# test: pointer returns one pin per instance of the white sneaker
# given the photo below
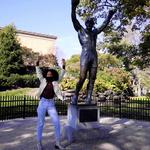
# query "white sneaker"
(39, 146)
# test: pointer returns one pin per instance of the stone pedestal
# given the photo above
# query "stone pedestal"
(81, 117)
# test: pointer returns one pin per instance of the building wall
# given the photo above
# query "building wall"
(43, 45)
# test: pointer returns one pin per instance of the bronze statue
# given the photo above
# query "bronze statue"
(88, 59)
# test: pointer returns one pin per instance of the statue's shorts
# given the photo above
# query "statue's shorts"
(88, 60)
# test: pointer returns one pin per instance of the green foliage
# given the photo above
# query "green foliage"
(127, 10)
(30, 57)
(68, 83)
(107, 61)
(10, 52)
(140, 98)
(143, 50)
(3, 83)
(87, 8)
(16, 92)
(148, 95)
(114, 79)
(144, 77)
(73, 59)
(23, 80)
(15, 81)
(131, 55)
(73, 65)
(104, 61)
(48, 60)
(125, 52)
(109, 75)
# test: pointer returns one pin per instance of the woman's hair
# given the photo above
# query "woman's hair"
(54, 73)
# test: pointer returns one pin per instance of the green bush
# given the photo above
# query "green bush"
(15, 81)
(3, 83)
(68, 83)
(148, 95)
(30, 81)
(10, 52)
(114, 79)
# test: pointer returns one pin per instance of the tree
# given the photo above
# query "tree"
(114, 45)
(136, 11)
(108, 61)
(110, 76)
(73, 65)
(128, 12)
(104, 61)
(141, 80)
(10, 52)
(29, 56)
(143, 49)
(125, 52)
(49, 60)
(136, 54)
(134, 57)
(114, 79)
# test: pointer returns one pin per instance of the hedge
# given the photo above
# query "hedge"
(15, 81)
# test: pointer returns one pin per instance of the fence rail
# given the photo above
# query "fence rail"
(128, 108)
(12, 107)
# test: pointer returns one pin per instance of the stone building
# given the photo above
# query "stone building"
(41, 43)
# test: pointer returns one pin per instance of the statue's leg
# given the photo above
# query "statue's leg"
(83, 74)
(90, 86)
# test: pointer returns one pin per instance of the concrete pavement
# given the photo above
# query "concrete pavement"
(113, 134)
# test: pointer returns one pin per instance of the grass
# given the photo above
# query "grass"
(147, 98)
(16, 92)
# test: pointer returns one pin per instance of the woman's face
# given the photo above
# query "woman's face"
(49, 74)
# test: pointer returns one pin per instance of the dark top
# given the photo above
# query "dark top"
(48, 92)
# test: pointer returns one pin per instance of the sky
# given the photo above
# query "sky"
(51, 17)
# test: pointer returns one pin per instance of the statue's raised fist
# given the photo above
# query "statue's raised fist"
(75, 2)
(113, 11)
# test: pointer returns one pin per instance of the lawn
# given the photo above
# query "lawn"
(17, 92)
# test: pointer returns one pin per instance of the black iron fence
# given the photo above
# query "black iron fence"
(132, 108)
(25, 106)
(12, 107)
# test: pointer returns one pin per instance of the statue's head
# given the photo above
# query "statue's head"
(89, 22)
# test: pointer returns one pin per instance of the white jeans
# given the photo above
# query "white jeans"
(49, 106)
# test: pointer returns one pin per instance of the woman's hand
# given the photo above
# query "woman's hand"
(63, 64)
(38, 61)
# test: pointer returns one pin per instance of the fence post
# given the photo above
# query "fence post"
(24, 105)
(0, 110)
(120, 99)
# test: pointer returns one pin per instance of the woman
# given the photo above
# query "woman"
(47, 90)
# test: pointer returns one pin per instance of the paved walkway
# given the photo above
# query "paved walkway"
(113, 134)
